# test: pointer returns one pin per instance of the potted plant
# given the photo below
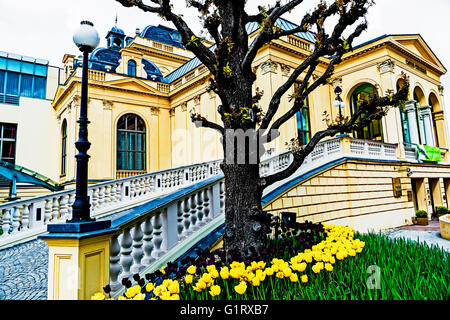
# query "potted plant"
(440, 211)
(422, 217)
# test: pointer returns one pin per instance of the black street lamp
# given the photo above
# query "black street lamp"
(86, 38)
(338, 102)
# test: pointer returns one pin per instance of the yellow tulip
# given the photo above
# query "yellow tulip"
(269, 271)
(280, 275)
(241, 287)
(188, 279)
(293, 277)
(328, 267)
(149, 287)
(224, 273)
(214, 274)
(174, 287)
(255, 282)
(214, 291)
(174, 297)
(287, 272)
(139, 296)
(211, 268)
(132, 291)
(192, 269)
(163, 270)
(98, 296)
(304, 278)
(123, 298)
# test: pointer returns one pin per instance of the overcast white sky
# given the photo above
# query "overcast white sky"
(44, 28)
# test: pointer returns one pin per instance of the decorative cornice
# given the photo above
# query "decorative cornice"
(336, 82)
(154, 111)
(107, 104)
(269, 66)
(76, 100)
(183, 106)
(197, 99)
(172, 112)
(386, 66)
(285, 69)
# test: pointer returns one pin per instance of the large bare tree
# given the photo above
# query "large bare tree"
(230, 64)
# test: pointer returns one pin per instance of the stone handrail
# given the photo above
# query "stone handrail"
(149, 236)
(24, 219)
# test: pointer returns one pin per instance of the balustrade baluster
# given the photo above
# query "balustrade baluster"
(147, 185)
(64, 207)
(119, 192)
(113, 194)
(132, 189)
(206, 204)
(114, 263)
(26, 217)
(157, 232)
(194, 218)
(70, 203)
(142, 186)
(107, 196)
(94, 199)
(186, 217)
(55, 209)
(222, 197)
(101, 197)
(6, 223)
(15, 213)
(147, 244)
(125, 253)
(137, 253)
(180, 226)
(200, 208)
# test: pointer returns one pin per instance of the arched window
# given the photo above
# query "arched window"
(303, 121)
(132, 68)
(64, 147)
(374, 131)
(131, 143)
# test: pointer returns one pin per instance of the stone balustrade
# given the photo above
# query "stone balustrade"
(25, 219)
(151, 236)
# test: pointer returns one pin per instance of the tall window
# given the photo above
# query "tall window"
(132, 68)
(63, 147)
(8, 132)
(131, 143)
(21, 79)
(303, 122)
(374, 131)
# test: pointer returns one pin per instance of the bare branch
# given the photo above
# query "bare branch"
(190, 40)
(367, 112)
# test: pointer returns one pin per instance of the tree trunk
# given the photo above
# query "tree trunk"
(244, 221)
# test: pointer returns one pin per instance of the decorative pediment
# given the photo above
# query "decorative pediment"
(132, 84)
(417, 45)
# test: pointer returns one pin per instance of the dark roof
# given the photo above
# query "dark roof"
(103, 59)
(163, 34)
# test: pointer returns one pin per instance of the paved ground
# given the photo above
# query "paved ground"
(23, 271)
(430, 234)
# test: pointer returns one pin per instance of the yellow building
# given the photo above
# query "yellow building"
(142, 89)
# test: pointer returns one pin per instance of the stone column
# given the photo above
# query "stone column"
(410, 108)
(427, 122)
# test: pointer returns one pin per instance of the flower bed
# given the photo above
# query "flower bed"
(280, 266)
(333, 263)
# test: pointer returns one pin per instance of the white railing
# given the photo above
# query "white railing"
(25, 219)
(164, 233)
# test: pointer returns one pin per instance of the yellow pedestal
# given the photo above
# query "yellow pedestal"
(444, 223)
(77, 268)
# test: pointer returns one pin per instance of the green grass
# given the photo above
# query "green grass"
(407, 271)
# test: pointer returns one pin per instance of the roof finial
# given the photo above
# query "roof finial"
(116, 19)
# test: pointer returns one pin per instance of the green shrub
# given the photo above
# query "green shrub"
(442, 210)
(421, 214)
